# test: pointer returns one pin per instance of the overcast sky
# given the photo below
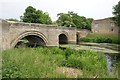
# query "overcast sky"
(96, 9)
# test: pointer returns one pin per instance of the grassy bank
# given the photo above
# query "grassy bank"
(101, 38)
(43, 62)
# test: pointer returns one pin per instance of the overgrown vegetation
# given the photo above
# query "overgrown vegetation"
(42, 63)
(116, 12)
(72, 19)
(31, 15)
(101, 38)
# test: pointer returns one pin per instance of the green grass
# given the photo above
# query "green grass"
(101, 38)
(42, 63)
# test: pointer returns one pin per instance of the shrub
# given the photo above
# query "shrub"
(86, 60)
(93, 62)
(101, 38)
(107, 40)
(85, 39)
(72, 61)
(56, 50)
(68, 52)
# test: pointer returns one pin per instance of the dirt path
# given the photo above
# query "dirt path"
(69, 72)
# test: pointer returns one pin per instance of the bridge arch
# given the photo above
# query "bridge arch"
(38, 37)
(63, 37)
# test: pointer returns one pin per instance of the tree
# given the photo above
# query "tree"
(43, 17)
(79, 21)
(116, 12)
(64, 20)
(32, 15)
(89, 23)
(74, 20)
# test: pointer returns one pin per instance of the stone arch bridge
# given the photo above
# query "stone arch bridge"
(49, 35)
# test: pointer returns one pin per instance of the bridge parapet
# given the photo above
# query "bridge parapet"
(38, 25)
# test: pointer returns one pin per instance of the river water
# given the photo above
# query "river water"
(111, 59)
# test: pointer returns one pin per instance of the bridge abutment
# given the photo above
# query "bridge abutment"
(0, 35)
(5, 37)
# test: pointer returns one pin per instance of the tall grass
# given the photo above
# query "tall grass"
(29, 63)
(101, 38)
(42, 62)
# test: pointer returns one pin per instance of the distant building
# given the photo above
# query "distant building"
(105, 25)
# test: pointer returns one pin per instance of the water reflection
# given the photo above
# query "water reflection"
(111, 60)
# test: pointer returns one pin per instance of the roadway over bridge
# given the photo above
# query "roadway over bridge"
(48, 35)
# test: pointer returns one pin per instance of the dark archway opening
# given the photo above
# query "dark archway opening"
(30, 41)
(63, 39)
(77, 38)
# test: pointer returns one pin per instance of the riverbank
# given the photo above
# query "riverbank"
(104, 45)
(101, 38)
(90, 46)
(54, 63)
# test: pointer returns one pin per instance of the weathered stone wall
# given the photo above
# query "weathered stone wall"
(0, 49)
(5, 35)
(106, 25)
(19, 31)
(0, 35)
(82, 33)
(69, 32)
(13, 32)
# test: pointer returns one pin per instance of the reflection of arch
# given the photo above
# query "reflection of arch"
(63, 38)
(29, 33)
